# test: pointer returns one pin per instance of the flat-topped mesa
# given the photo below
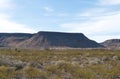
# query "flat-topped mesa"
(60, 35)
(60, 39)
(44, 39)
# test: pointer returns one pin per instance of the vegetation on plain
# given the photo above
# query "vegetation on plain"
(59, 64)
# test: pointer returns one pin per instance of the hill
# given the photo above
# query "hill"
(112, 43)
(47, 39)
(12, 39)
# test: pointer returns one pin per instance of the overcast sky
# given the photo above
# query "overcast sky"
(97, 19)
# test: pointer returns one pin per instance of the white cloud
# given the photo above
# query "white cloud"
(91, 12)
(48, 9)
(63, 14)
(9, 26)
(6, 4)
(109, 2)
(87, 14)
(97, 26)
(6, 25)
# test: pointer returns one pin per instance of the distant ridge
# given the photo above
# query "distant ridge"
(112, 43)
(45, 39)
(12, 39)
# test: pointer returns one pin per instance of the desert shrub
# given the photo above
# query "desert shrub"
(53, 69)
(60, 64)
(5, 73)
(34, 73)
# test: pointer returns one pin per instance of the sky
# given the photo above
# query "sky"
(99, 20)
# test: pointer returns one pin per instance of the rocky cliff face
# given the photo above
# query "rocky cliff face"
(47, 39)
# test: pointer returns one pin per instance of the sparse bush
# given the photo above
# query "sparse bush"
(59, 64)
